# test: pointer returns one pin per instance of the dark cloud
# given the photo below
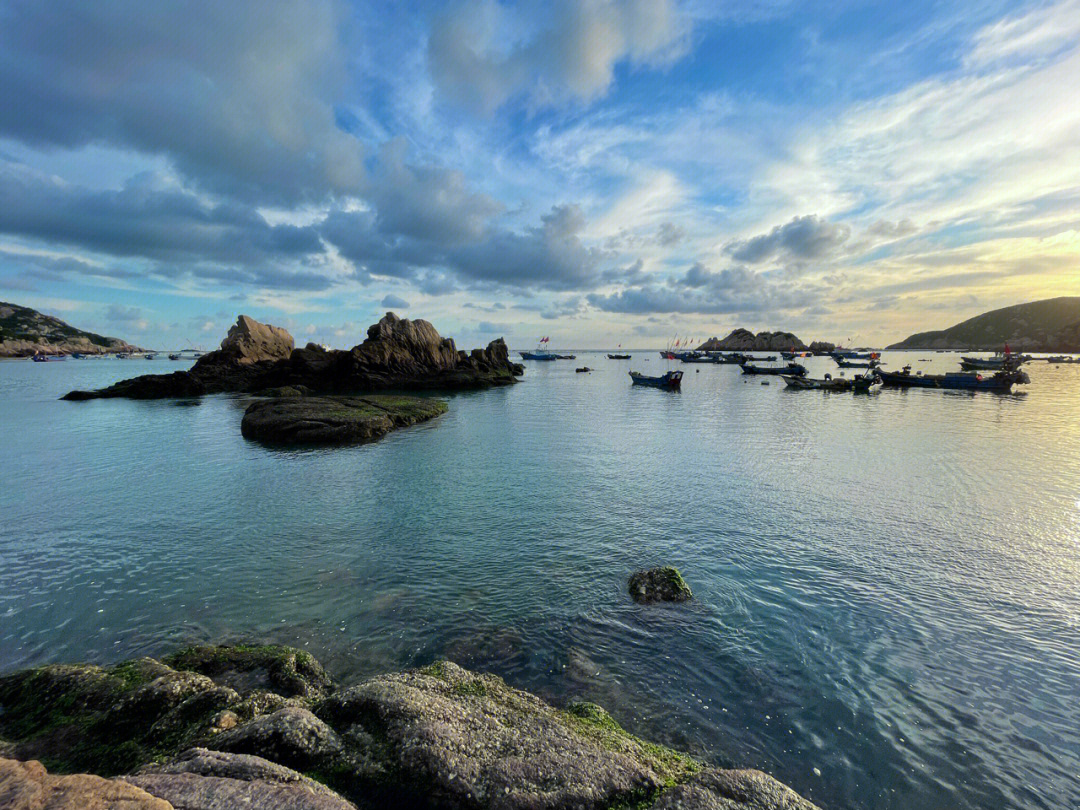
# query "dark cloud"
(238, 96)
(393, 302)
(670, 234)
(550, 256)
(166, 225)
(805, 238)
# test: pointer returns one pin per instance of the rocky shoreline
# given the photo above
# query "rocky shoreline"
(397, 354)
(265, 727)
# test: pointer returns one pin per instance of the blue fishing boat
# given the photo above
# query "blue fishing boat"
(1003, 381)
(671, 380)
(845, 363)
(538, 355)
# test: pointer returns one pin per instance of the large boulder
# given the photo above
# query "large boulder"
(292, 736)
(460, 740)
(264, 668)
(334, 420)
(178, 385)
(249, 341)
(28, 786)
(663, 584)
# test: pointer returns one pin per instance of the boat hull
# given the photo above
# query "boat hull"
(1002, 382)
(790, 370)
(671, 381)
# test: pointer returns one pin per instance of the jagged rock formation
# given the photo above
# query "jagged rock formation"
(397, 353)
(334, 420)
(25, 332)
(743, 340)
(1052, 325)
(659, 585)
(203, 729)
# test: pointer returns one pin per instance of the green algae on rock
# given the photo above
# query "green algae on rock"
(334, 420)
(440, 736)
(659, 585)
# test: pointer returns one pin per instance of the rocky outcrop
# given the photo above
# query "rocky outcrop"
(659, 585)
(1052, 325)
(334, 420)
(25, 332)
(249, 341)
(441, 736)
(397, 354)
(821, 347)
(28, 786)
(743, 340)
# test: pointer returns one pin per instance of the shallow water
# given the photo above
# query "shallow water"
(887, 587)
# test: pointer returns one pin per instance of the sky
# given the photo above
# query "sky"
(602, 172)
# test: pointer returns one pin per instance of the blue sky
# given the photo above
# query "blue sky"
(602, 172)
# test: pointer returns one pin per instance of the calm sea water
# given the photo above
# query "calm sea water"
(887, 587)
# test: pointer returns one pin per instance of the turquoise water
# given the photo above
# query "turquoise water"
(887, 587)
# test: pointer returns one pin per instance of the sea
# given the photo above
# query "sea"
(886, 586)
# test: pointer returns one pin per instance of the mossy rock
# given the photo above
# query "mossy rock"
(334, 420)
(663, 584)
(286, 671)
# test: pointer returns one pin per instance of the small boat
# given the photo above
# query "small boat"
(826, 384)
(566, 357)
(78, 356)
(1002, 381)
(791, 369)
(995, 363)
(864, 383)
(582, 370)
(845, 363)
(47, 358)
(174, 357)
(671, 380)
(733, 359)
(619, 356)
(149, 356)
(699, 358)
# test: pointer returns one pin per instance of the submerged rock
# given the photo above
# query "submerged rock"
(440, 737)
(334, 420)
(659, 585)
(397, 354)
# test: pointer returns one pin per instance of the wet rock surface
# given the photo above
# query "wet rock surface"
(202, 729)
(663, 584)
(28, 786)
(397, 354)
(334, 420)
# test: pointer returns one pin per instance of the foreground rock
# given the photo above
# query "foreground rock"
(27, 786)
(397, 354)
(201, 729)
(659, 585)
(292, 419)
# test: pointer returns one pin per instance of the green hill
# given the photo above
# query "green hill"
(1052, 325)
(25, 331)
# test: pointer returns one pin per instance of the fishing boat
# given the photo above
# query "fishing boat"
(1002, 381)
(538, 355)
(864, 383)
(566, 357)
(995, 363)
(845, 363)
(671, 380)
(790, 369)
(618, 357)
(47, 358)
(694, 357)
(809, 384)
(174, 357)
(733, 359)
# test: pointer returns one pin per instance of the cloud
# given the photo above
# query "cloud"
(239, 96)
(393, 302)
(731, 290)
(670, 234)
(482, 54)
(806, 238)
(141, 221)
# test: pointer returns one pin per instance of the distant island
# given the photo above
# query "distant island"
(25, 332)
(1052, 325)
(742, 340)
